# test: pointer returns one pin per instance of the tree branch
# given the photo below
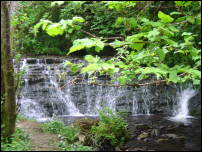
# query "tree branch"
(73, 82)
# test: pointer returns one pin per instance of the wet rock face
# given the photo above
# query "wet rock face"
(43, 84)
(195, 104)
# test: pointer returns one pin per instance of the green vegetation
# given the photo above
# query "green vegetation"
(87, 133)
(110, 129)
(68, 136)
(19, 141)
(58, 127)
(160, 46)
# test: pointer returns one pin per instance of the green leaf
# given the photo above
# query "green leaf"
(173, 76)
(91, 59)
(175, 13)
(75, 48)
(119, 20)
(86, 43)
(91, 68)
(164, 17)
(183, 3)
(78, 19)
(138, 46)
(70, 30)
(67, 63)
(161, 54)
(153, 34)
(54, 29)
(132, 22)
(117, 43)
(196, 82)
(195, 73)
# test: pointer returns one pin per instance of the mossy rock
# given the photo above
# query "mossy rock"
(85, 125)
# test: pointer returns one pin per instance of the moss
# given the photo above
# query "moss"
(85, 125)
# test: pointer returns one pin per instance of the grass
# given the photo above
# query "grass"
(19, 142)
(69, 140)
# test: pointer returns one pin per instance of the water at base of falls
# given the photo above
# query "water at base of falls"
(43, 94)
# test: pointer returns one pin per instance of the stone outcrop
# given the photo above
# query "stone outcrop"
(43, 84)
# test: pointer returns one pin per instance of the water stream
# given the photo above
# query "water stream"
(181, 113)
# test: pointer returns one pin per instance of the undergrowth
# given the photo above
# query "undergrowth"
(18, 142)
(68, 135)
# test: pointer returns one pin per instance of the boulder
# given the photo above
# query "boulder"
(141, 126)
(142, 136)
(162, 140)
(170, 135)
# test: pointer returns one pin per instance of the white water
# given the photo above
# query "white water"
(182, 111)
(88, 99)
(62, 95)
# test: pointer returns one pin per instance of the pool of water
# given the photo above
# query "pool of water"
(188, 131)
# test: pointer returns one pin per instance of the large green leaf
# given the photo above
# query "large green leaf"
(54, 29)
(78, 19)
(91, 59)
(135, 43)
(91, 68)
(173, 76)
(87, 43)
(164, 17)
(161, 54)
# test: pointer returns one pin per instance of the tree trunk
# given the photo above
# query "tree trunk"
(8, 107)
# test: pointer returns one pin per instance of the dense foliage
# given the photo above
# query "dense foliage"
(68, 136)
(158, 40)
(87, 133)
(110, 129)
(19, 142)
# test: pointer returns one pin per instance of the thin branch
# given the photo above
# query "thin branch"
(88, 33)
(109, 38)
(73, 82)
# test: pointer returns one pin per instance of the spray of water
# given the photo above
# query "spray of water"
(182, 111)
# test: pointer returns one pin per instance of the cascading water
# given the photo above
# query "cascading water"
(45, 92)
(181, 113)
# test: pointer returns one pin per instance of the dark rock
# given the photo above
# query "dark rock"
(171, 129)
(31, 61)
(142, 126)
(139, 149)
(170, 136)
(53, 61)
(142, 136)
(181, 138)
(162, 140)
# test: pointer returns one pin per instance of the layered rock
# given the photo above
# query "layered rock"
(43, 85)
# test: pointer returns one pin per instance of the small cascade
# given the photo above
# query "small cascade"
(63, 96)
(28, 107)
(46, 91)
(181, 106)
(181, 113)
(141, 101)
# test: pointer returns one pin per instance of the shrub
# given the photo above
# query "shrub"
(73, 147)
(69, 140)
(58, 127)
(111, 128)
(85, 125)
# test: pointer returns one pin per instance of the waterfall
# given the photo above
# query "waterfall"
(46, 92)
(181, 113)
(62, 95)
